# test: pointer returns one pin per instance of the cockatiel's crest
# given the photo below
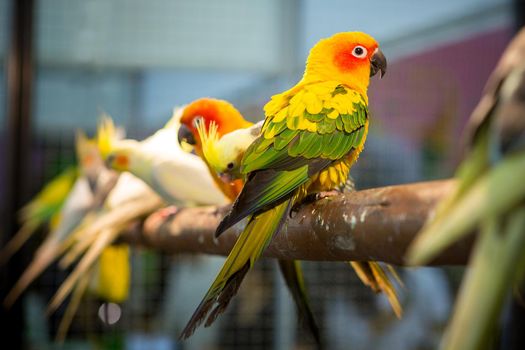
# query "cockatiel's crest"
(107, 134)
(224, 153)
(209, 138)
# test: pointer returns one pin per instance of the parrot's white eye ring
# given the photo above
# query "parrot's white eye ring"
(197, 120)
(359, 51)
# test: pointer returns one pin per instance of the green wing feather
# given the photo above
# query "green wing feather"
(292, 147)
(275, 167)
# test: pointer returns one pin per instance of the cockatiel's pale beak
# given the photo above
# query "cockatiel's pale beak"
(378, 63)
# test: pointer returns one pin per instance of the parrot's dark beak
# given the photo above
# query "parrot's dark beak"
(92, 182)
(226, 178)
(378, 63)
(109, 160)
(185, 135)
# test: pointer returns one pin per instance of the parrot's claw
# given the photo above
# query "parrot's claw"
(327, 194)
(314, 197)
(165, 213)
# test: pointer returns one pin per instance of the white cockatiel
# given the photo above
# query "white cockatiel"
(179, 177)
(155, 171)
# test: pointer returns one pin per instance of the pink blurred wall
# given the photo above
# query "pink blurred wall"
(427, 98)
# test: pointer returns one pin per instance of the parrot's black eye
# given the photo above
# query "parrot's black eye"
(185, 135)
(359, 51)
(230, 166)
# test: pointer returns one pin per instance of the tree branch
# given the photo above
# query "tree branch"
(375, 224)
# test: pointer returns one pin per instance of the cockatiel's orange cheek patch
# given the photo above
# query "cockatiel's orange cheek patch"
(88, 160)
(122, 161)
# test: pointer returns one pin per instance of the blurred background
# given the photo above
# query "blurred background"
(65, 62)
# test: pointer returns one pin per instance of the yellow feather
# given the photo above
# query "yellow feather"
(314, 105)
(106, 135)
(323, 89)
(305, 124)
(297, 98)
(323, 176)
(209, 139)
(279, 116)
(333, 114)
(296, 109)
(334, 175)
(293, 122)
(276, 103)
(112, 278)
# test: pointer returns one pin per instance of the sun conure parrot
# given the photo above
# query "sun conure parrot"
(227, 118)
(489, 197)
(221, 140)
(311, 136)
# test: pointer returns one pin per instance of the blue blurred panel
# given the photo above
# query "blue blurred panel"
(162, 90)
(232, 34)
(72, 98)
(391, 20)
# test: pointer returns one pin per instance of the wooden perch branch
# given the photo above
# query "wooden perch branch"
(376, 224)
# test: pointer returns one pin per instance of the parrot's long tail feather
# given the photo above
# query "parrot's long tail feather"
(72, 307)
(44, 256)
(18, 240)
(103, 240)
(248, 248)
(372, 274)
(76, 249)
(230, 290)
(293, 276)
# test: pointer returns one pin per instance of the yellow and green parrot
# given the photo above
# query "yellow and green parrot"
(490, 198)
(311, 136)
(44, 208)
(221, 135)
(78, 199)
(91, 185)
(227, 119)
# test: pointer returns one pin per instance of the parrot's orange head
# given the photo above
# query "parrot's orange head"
(225, 116)
(349, 57)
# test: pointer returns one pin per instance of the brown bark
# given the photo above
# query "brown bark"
(375, 224)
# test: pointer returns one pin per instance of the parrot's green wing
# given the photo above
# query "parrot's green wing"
(287, 154)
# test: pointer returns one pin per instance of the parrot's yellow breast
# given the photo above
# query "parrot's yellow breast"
(335, 175)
